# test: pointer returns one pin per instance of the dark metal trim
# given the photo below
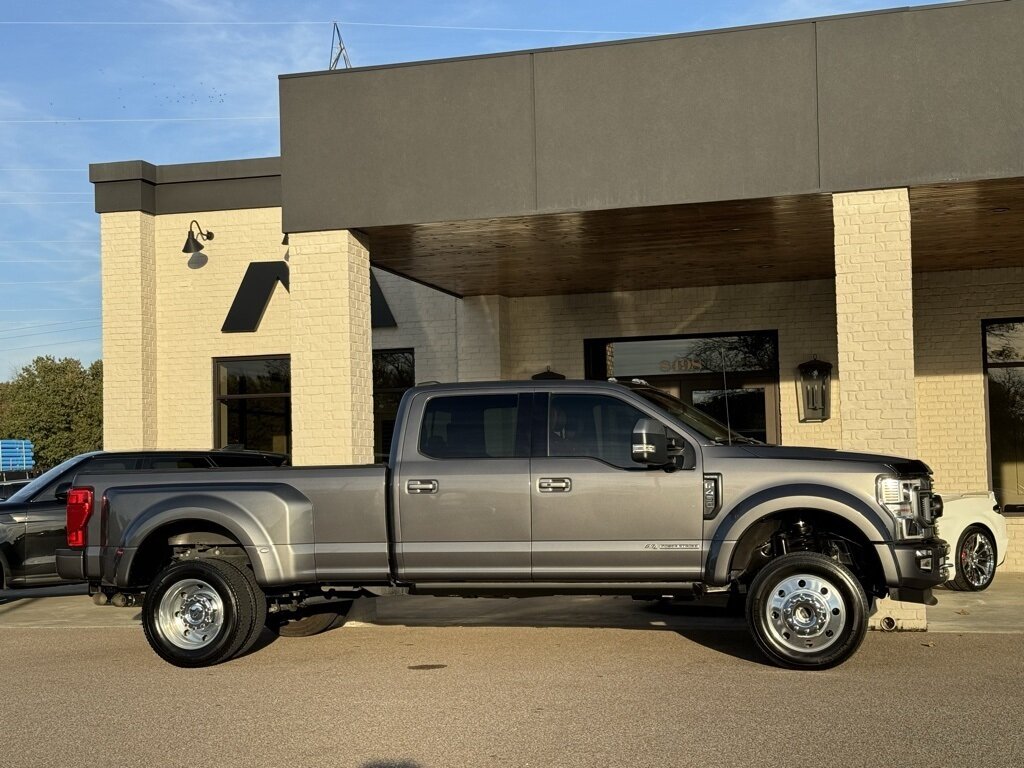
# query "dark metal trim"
(136, 185)
(640, 39)
(254, 294)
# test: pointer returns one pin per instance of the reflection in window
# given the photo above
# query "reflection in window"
(253, 403)
(1004, 363)
(393, 374)
(596, 426)
(470, 427)
(742, 352)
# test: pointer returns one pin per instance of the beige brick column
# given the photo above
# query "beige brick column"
(128, 269)
(874, 321)
(331, 358)
(483, 338)
(875, 333)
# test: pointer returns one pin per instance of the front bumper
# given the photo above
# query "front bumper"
(921, 566)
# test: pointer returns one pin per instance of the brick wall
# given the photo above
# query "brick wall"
(129, 262)
(874, 321)
(951, 388)
(426, 323)
(193, 295)
(1014, 562)
(332, 380)
(549, 331)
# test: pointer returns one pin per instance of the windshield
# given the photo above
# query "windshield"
(26, 493)
(692, 417)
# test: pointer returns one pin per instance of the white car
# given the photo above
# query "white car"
(975, 529)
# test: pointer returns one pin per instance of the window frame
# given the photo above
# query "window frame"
(521, 439)
(217, 397)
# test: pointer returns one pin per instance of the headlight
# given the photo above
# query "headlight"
(897, 496)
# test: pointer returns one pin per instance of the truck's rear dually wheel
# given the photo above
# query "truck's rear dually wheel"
(201, 612)
(806, 611)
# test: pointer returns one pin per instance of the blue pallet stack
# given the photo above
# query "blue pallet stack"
(16, 456)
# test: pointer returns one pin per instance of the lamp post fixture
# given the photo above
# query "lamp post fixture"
(815, 390)
(192, 245)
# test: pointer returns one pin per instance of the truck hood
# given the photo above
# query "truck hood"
(900, 464)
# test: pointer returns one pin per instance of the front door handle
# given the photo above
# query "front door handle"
(421, 486)
(554, 485)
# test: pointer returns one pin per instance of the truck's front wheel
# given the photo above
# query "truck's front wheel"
(806, 611)
(199, 612)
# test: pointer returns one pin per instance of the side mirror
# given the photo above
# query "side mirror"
(61, 493)
(650, 443)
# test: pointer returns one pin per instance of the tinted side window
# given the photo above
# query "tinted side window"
(185, 462)
(256, 460)
(596, 426)
(97, 464)
(470, 427)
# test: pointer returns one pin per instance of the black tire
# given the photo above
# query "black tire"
(975, 555)
(259, 607)
(313, 623)
(806, 611)
(220, 593)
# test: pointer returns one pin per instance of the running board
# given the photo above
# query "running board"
(543, 589)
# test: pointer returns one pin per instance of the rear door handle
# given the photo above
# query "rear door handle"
(554, 485)
(421, 486)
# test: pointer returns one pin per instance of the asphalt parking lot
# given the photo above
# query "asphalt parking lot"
(418, 682)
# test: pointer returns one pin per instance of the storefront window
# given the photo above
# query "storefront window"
(394, 371)
(732, 377)
(253, 407)
(1004, 366)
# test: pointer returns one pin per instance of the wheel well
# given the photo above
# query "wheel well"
(808, 530)
(157, 550)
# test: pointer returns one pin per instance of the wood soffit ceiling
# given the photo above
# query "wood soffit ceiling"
(955, 226)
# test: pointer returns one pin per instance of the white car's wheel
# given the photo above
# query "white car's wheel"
(975, 560)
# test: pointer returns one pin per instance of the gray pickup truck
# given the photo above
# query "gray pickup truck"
(517, 489)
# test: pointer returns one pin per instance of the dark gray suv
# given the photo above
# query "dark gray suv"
(33, 523)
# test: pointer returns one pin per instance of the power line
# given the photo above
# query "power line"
(55, 120)
(26, 326)
(40, 261)
(51, 344)
(307, 23)
(29, 310)
(79, 281)
(49, 333)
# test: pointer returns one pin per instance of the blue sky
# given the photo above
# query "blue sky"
(177, 81)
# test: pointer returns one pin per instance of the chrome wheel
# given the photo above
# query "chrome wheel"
(805, 613)
(191, 614)
(977, 559)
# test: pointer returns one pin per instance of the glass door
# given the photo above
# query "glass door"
(732, 377)
(1004, 367)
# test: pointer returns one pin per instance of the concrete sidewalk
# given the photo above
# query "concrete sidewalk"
(999, 609)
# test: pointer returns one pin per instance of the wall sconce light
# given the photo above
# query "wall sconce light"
(815, 390)
(191, 244)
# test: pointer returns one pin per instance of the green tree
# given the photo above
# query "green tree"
(58, 405)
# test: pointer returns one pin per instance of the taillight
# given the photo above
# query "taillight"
(79, 512)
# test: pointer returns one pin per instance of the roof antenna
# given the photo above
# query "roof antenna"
(725, 391)
(338, 50)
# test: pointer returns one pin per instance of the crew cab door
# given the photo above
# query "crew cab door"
(598, 515)
(461, 490)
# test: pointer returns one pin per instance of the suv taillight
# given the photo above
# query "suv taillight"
(79, 512)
